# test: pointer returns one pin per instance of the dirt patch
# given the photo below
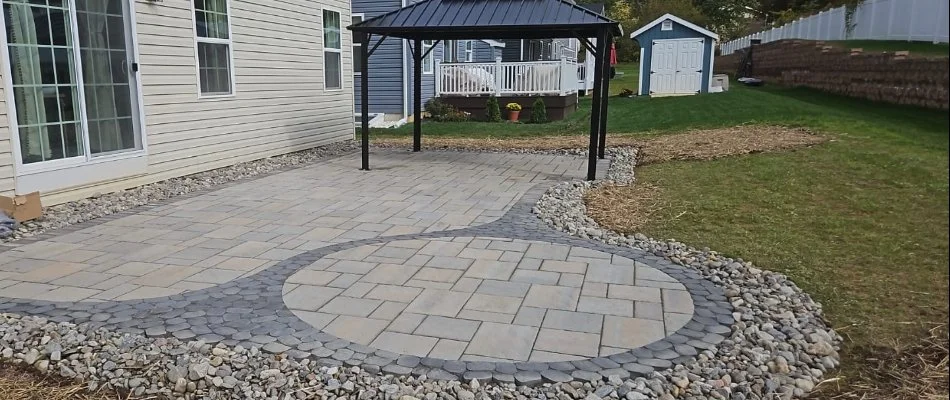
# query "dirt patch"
(17, 382)
(623, 209)
(717, 143)
(690, 145)
(917, 372)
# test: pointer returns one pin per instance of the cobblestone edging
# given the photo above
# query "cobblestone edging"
(780, 344)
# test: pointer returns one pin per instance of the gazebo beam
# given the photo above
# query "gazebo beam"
(417, 57)
(595, 110)
(364, 101)
(605, 99)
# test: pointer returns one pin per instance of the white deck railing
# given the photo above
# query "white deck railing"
(510, 78)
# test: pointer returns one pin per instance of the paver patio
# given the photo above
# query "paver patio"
(431, 260)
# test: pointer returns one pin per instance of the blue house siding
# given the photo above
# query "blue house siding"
(484, 52)
(678, 32)
(428, 80)
(385, 65)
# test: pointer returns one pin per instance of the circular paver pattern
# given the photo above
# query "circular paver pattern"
(488, 299)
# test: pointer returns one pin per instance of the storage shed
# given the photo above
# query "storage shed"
(676, 57)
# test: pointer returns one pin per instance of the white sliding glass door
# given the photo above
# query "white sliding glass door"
(73, 81)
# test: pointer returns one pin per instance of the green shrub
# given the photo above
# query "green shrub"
(492, 110)
(539, 114)
(443, 112)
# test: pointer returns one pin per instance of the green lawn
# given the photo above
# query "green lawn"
(860, 222)
(915, 48)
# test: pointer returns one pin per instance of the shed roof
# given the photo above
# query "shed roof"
(671, 17)
(494, 19)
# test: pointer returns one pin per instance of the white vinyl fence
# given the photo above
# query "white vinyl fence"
(911, 20)
(509, 78)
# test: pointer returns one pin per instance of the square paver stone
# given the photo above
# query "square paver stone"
(309, 298)
(439, 302)
(311, 277)
(403, 294)
(573, 321)
(350, 306)
(571, 267)
(401, 343)
(438, 274)
(390, 274)
(677, 301)
(565, 342)
(356, 329)
(607, 273)
(553, 297)
(493, 304)
(598, 305)
(489, 269)
(509, 342)
(447, 328)
(448, 349)
(630, 333)
(636, 293)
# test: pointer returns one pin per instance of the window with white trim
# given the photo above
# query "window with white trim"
(428, 62)
(213, 42)
(332, 51)
(666, 25)
(357, 46)
(469, 50)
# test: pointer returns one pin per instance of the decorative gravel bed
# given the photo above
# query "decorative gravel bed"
(780, 346)
(74, 212)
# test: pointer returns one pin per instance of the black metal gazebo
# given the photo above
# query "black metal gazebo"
(438, 20)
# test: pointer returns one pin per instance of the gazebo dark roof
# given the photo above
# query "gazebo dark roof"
(439, 20)
(489, 19)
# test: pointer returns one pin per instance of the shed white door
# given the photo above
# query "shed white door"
(676, 66)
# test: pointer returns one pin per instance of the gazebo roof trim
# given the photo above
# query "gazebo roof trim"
(488, 19)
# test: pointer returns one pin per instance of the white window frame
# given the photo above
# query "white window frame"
(85, 168)
(326, 50)
(666, 25)
(469, 50)
(356, 44)
(228, 41)
(428, 62)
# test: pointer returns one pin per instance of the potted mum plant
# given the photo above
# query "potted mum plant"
(514, 109)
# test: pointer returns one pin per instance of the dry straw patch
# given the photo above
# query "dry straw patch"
(19, 383)
(918, 372)
(703, 144)
(623, 209)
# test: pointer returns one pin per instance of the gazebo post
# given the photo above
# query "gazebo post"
(417, 95)
(599, 55)
(364, 102)
(605, 96)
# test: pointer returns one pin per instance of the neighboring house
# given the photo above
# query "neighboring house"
(390, 88)
(676, 57)
(141, 91)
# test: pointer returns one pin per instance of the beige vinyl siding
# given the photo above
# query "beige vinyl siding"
(6, 148)
(279, 103)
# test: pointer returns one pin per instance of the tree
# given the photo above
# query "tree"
(653, 9)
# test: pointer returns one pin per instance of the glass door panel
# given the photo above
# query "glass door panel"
(45, 85)
(107, 76)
